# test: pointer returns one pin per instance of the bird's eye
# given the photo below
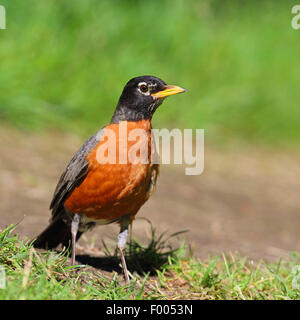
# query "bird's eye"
(143, 87)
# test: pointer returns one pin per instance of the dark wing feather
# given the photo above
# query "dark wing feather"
(74, 174)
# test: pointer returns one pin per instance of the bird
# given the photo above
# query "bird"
(94, 191)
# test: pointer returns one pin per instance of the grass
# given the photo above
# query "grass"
(64, 64)
(32, 274)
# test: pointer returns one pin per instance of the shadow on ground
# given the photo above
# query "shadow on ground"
(139, 258)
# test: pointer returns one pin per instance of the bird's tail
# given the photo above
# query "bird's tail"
(58, 232)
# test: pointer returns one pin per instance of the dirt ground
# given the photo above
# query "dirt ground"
(246, 200)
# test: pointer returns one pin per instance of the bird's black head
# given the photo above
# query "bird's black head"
(140, 98)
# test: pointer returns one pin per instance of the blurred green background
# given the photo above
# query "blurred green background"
(64, 64)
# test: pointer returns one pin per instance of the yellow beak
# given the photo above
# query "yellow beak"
(168, 91)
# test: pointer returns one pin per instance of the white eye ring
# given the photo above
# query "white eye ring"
(144, 88)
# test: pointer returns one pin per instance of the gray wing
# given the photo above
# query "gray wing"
(74, 174)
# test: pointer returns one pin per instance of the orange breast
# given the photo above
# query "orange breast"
(111, 190)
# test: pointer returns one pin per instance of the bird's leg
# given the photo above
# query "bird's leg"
(130, 236)
(122, 239)
(74, 229)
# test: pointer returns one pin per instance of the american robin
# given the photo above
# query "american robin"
(92, 191)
